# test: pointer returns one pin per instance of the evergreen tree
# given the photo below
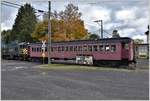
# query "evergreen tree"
(6, 36)
(24, 24)
(94, 37)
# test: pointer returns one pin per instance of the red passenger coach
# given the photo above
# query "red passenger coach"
(113, 51)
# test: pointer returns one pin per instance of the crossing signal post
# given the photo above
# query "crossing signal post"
(43, 50)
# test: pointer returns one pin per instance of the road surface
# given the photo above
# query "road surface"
(24, 81)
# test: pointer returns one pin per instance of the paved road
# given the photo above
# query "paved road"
(22, 80)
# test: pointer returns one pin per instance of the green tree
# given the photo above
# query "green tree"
(138, 41)
(24, 24)
(94, 37)
(115, 34)
(6, 36)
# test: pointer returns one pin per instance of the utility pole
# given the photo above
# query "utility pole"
(97, 21)
(49, 33)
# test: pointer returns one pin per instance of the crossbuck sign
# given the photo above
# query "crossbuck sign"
(43, 45)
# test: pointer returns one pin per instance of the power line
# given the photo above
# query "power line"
(9, 5)
(12, 5)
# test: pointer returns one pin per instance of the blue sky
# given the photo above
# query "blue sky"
(129, 17)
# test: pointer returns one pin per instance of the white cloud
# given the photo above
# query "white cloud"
(130, 20)
(4, 27)
(91, 13)
(143, 37)
(128, 32)
(126, 14)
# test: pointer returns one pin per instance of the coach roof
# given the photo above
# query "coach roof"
(104, 40)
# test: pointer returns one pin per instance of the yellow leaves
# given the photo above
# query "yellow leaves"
(60, 30)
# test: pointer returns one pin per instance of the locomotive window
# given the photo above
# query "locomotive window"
(113, 48)
(95, 48)
(16, 48)
(89, 48)
(101, 48)
(107, 48)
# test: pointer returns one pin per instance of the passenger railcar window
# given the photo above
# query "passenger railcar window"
(107, 48)
(32, 49)
(113, 48)
(62, 48)
(89, 48)
(85, 48)
(67, 48)
(45, 49)
(59, 48)
(71, 48)
(126, 46)
(51, 48)
(37, 49)
(101, 48)
(79, 48)
(75, 48)
(95, 48)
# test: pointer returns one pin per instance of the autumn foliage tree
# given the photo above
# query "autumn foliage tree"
(65, 26)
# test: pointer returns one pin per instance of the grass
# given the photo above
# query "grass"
(64, 67)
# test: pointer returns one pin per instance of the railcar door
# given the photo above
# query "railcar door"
(125, 51)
